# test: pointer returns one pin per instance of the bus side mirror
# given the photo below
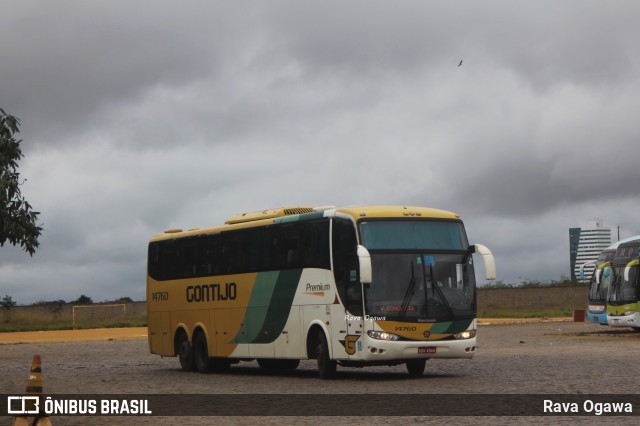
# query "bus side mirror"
(627, 268)
(364, 260)
(489, 261)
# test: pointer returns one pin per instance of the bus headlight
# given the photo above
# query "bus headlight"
(382, 335)
(468, 334)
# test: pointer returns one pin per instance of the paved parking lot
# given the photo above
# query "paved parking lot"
(524, 358)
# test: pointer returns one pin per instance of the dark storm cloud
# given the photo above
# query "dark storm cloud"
(70, 62)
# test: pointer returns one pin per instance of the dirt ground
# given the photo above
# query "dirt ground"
(513, 357)
(62, 336)
(140, 333)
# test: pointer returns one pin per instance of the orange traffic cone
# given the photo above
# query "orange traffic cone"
(34, 389)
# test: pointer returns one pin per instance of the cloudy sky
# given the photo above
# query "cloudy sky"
(147, 115)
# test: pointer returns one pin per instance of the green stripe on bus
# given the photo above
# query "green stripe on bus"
(269, 306)
(280, 305)
(256, 310)
(299, 217)
(451, 327)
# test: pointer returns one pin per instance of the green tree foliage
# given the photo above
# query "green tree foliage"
(7, 303)
(17, 219)
(82, 300)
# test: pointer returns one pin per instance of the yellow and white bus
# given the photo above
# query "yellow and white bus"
(351, 286)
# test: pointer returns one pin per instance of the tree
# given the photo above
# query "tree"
(7, 303)
(82, 300)
(17, 219)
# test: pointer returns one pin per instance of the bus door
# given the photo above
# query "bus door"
(347, 317)
(355, 316)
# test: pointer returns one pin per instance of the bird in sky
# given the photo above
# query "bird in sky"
(460, 64)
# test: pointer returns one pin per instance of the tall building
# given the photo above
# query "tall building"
(574, 240)
(585, 244)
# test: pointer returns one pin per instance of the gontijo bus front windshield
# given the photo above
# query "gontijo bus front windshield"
(422, 270)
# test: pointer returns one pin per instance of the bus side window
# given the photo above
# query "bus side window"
(169, 259)
(154, 262)
(188, 249)
(209, 256)
(345, 265)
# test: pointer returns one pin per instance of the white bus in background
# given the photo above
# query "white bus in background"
(623, 302)
(601, 281)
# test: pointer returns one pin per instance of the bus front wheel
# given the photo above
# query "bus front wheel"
(326, 366)
(415, 367)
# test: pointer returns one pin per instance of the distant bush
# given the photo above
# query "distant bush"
(82, 300)
(121, 300)
(55, 306)
(563, 282)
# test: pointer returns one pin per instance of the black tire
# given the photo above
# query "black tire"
(202, 361)
(201, 358)
(185, 352)
(415, 367)
(326, 366)
(279, 364)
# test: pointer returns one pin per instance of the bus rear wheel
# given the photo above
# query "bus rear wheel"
(202, 361)
(201, 353)
(326, 366)
(185, 352)
(415, 367)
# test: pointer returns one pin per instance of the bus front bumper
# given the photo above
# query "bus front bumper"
(600, 318)
(374, 350)
(632, 320)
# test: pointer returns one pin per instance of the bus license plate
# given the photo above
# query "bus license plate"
(427, 350)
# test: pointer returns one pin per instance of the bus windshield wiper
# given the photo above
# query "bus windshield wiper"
(436, 289)
(408, 294)
(615, 289)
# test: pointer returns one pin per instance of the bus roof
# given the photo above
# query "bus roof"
(626, 240)
(626, 252)
(359, 212)
(268, 214)
(271, 216)
(611, 249)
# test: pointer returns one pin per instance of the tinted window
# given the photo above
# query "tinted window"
(290, 245)
(413, 234)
